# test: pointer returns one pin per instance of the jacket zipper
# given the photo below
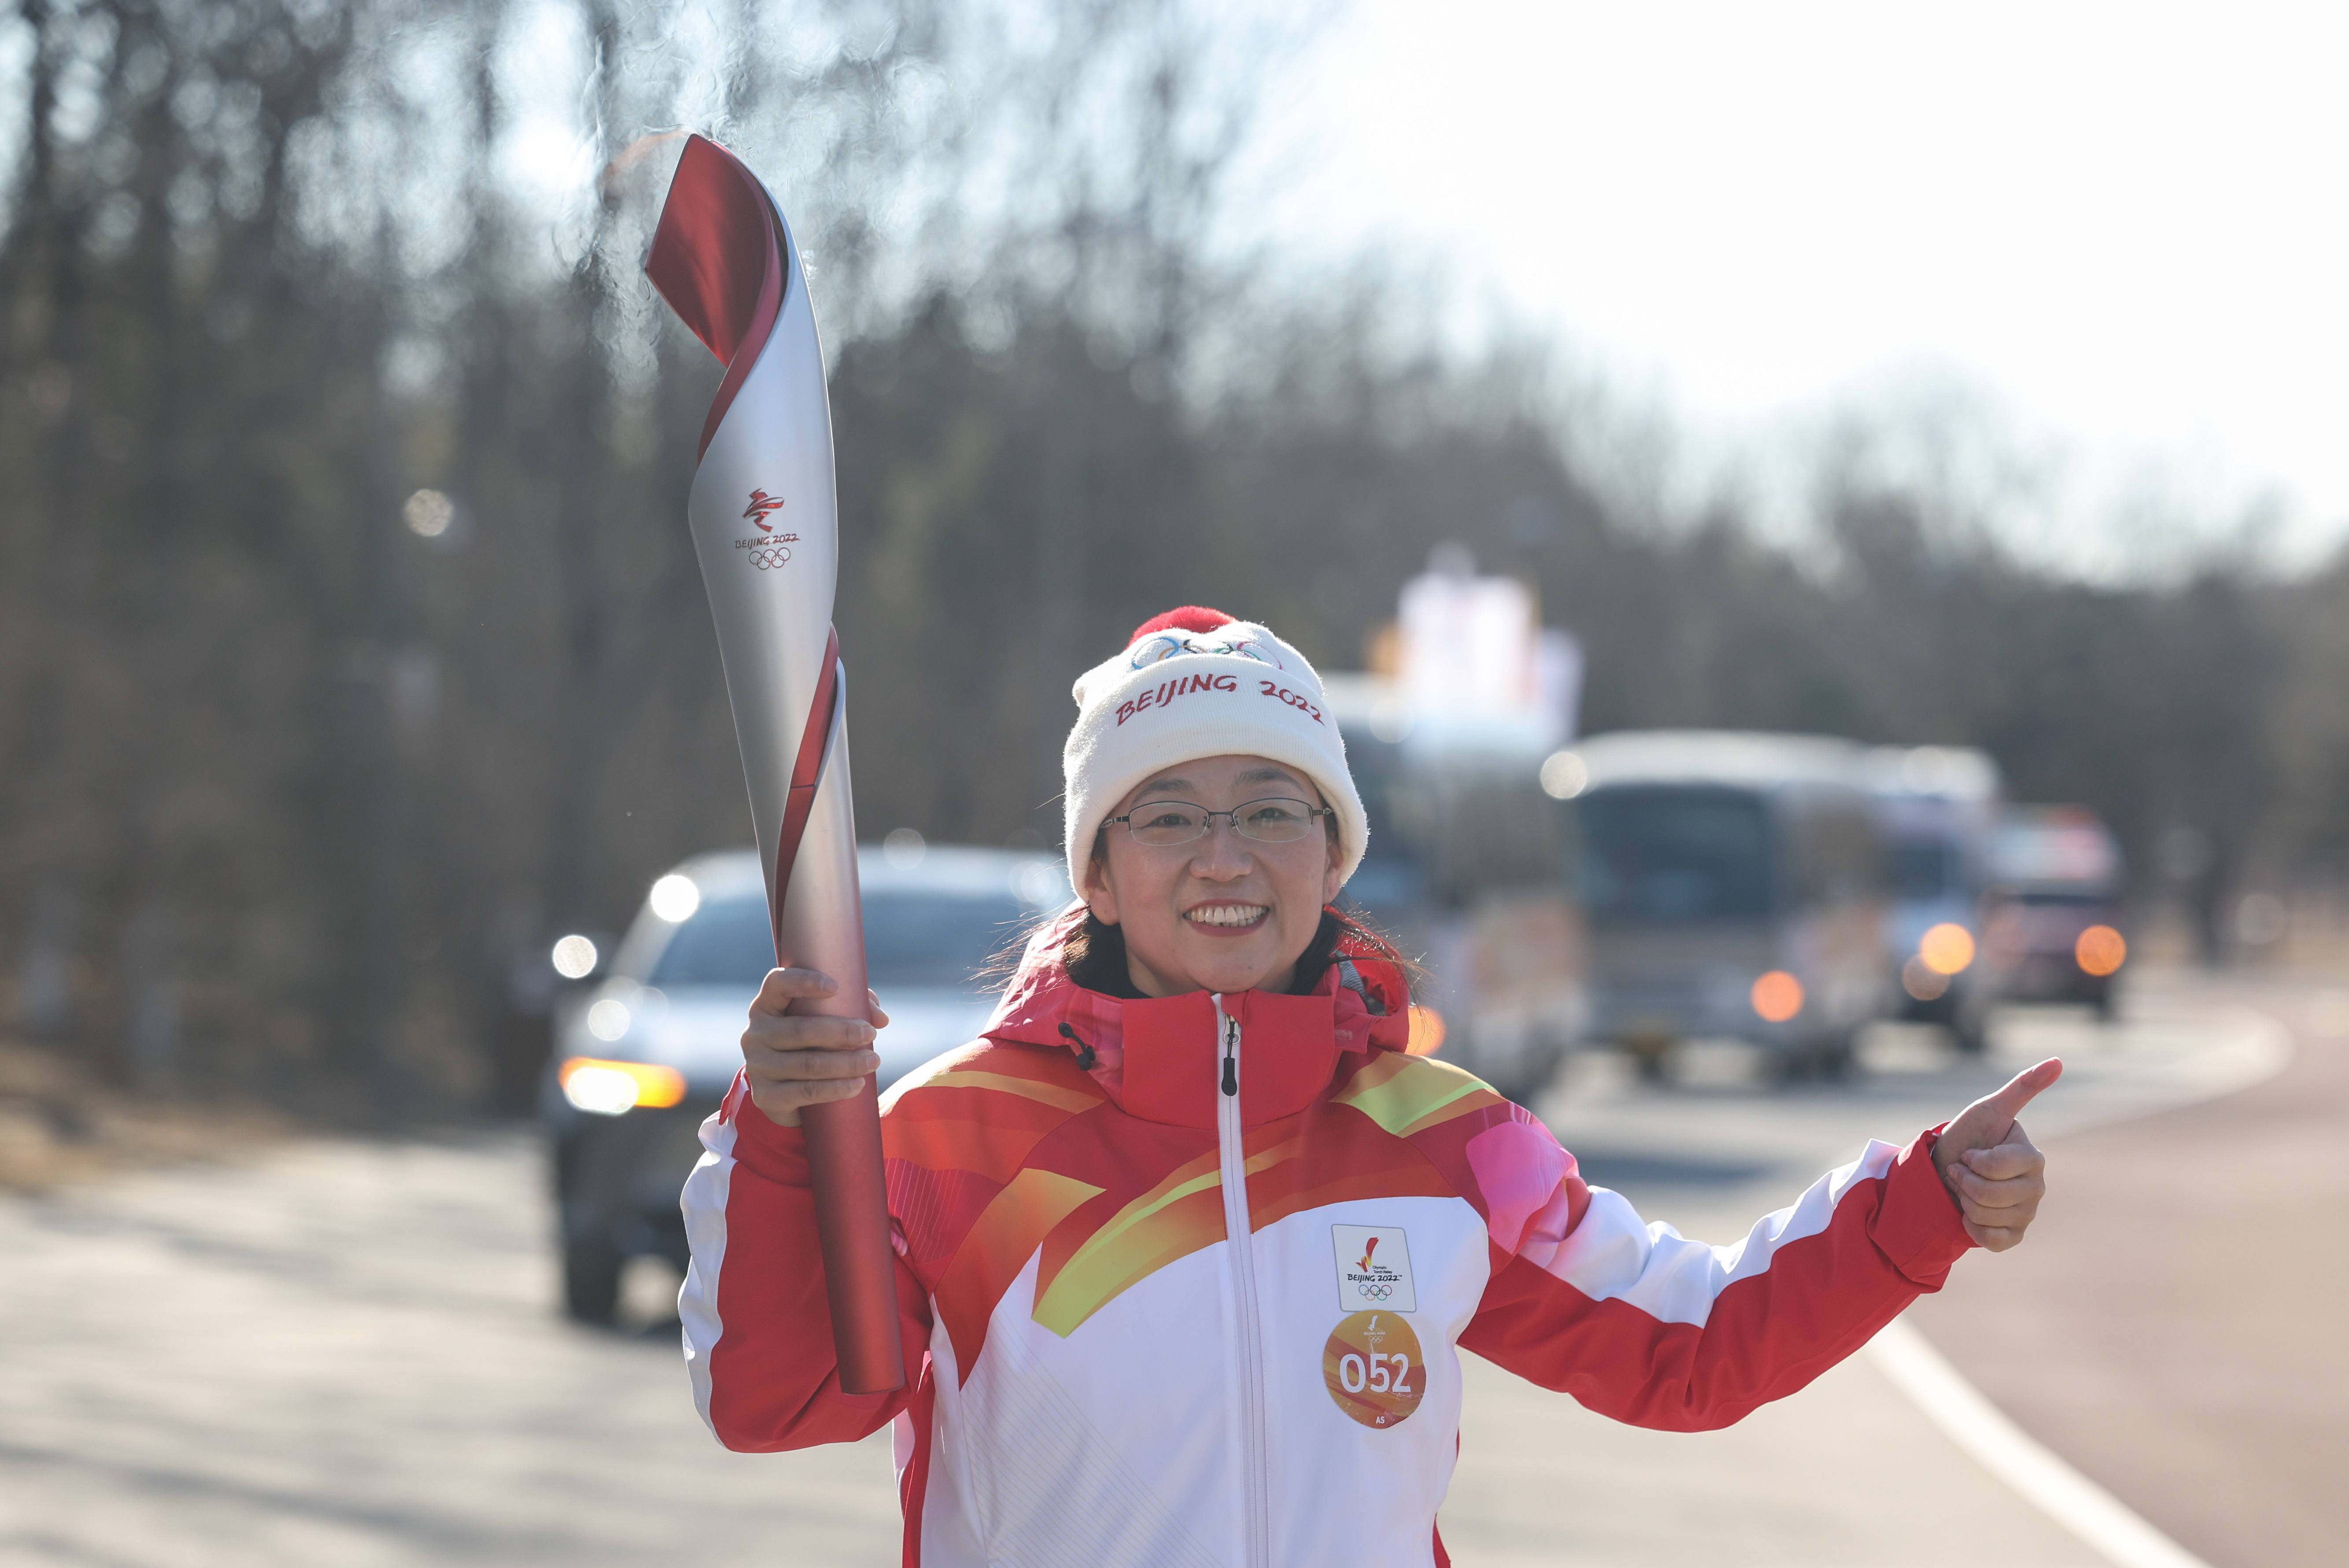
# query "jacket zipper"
(1231, 1146)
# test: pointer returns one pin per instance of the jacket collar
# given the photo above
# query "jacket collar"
(1161, 1059)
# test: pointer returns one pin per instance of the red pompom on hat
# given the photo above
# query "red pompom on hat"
(1183, 618)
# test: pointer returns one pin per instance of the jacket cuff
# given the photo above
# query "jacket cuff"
(779, 1153)
(1919, 1227)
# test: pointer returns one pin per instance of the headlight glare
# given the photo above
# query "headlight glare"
(2100, 950)
(1947, 949)
(1776, 996)
(609, 1089)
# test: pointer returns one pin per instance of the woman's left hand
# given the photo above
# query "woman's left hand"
(1991, 1167)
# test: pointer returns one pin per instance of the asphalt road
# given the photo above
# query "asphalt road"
(2182, 1326)
(344, 1354)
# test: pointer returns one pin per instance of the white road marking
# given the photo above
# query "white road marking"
(2256, 1048)
(2021, 1460)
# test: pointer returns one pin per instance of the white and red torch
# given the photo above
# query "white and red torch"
(764, 519)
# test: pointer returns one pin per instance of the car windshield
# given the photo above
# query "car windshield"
(1922, 868)
(1673, 854)
(910, 939)
(2080, 853)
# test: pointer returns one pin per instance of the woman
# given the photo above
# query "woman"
(1097, 1370)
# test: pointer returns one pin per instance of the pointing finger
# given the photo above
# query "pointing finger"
(809, 1066)
(1992, 1218)
(2018, 1156)
(2022, 1190)
(782, 987)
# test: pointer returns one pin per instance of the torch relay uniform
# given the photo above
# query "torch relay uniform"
(1183, 1280)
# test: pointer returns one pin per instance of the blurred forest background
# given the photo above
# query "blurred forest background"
(352, 646)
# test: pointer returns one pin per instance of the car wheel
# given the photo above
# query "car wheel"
(1531, 1082)
(590, 1280)
(1652, 1057)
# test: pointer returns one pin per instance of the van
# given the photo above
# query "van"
(1732, 886)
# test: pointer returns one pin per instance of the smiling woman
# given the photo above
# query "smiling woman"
(1219, 892)
(1188, 1241)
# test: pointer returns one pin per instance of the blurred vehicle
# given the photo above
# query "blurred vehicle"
(1937, 808)
(2051, 918)
(646, 1051)
(1465, 871)
(1733, 883)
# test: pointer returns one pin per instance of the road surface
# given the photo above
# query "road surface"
(2185, 1317)
(342, 1355)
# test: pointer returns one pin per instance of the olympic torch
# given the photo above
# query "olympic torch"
(763, 516)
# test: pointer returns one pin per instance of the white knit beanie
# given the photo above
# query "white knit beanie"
(1196, 683)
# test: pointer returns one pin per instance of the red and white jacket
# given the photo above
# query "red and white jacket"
(1201, 1300)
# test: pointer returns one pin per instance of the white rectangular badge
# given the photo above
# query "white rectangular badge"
(1373, 1269)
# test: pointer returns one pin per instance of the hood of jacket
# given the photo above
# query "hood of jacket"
(1159, 1058)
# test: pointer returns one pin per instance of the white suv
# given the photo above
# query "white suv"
(646, 1052)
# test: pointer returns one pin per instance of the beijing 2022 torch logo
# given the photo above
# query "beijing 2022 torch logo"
(772, 550)
(1374, 1268)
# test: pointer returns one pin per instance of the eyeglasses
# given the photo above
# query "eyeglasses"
(1162, 824)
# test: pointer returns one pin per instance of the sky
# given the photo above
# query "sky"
(2119, 234)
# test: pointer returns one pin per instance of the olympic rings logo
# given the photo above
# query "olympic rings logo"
(1374, 1292)
(1165, 645)
(767, 558)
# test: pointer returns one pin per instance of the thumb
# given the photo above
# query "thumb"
(2023, 1087)
(1989, 1121)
